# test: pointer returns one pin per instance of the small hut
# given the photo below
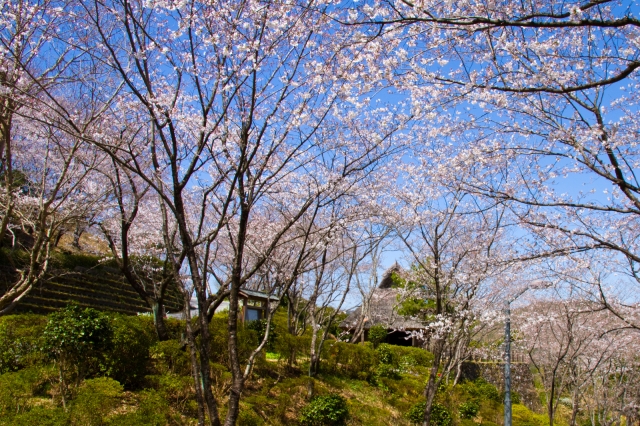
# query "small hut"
(252, 304)
(383, 305)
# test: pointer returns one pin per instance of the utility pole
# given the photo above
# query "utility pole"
(507, 365)
(538, 284)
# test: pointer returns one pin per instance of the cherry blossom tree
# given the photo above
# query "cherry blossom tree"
(458, 248)
(542, 97)
(581, 352)
(133, 226)
(247, 113)
(59, 187)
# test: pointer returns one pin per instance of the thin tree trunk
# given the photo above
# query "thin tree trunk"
(157, 308)
(550, 410)
(195, 370)
(313, 356)
(430, 389)
(238, 380)
(7, 169)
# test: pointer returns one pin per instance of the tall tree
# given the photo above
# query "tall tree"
(457, 246)
(543, 97)
(244, 102)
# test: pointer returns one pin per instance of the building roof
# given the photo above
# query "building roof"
(387, 277)
(383, 308)
(253, 294)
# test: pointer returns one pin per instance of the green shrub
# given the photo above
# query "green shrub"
(405, 359)
(175, 328)
(388, 371)
(440, 416)
(39, 416)
(327, 410)
(218, 328)
(16, 389)
(385, 354)
(260, 327)
(522, 416)
(20, 341)
(127, 359)
(96, 398)
(291, 347)
(170, 357)
(152, 411)
(377, 334)
(469, 409)
(249, 418)
(409, 358)
(77, 340)
(481, 390)
(353, 360)
(177, 390)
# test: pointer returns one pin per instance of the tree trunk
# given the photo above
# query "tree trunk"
(7, 169)
(431, 388)
(205, 368)
(550, 410)
(313, 355)
(195, 370)
(157, 308)
(238, 380)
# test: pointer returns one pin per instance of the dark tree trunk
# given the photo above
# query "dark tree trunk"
(157, 308)
(431, 388)
(195, 370)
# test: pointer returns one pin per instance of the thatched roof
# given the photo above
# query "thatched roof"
(383, 308)
(387, 277)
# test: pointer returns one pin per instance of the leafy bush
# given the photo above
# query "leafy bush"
(175, 328)
(481, 390)
(96, 398)
(353, 360)
(77, 339)
(152, 411)
(249, 418)
(377, 334)
(408, 358)
(385, 354)
(20, 341)
(469, 409)
(522, 416)
(169, 357)
(291, 347)
(178, 390)
(16, 389)
(405, 359)
(128, 357)
(440, 416)
(247, 339)
(73, 334)
(40, 416)
(260, 327)
(327, 410)
(388, 371)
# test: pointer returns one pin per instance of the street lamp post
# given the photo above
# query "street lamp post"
(538, 284)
